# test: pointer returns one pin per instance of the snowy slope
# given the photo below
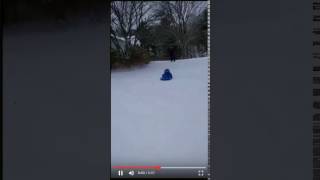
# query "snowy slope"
(160, 122)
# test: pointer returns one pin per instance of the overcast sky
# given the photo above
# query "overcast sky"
(155, 5)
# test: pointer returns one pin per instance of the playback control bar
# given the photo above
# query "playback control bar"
(158, 172)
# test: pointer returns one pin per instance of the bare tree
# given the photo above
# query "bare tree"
(126, 17)
(180, 12)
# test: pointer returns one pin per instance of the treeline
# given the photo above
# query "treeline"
(155, 28)
(17, 11)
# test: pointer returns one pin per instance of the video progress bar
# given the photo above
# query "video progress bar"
(166, 167)
(157, 167)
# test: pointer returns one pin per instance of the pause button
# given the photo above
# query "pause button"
(120, 173)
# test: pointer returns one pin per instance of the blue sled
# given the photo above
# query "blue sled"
(166, 76)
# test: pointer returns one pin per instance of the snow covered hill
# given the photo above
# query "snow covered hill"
(160, 122)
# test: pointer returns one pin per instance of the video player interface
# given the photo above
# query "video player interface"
(159, 89)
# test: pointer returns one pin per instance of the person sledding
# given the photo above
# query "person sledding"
(166, 75)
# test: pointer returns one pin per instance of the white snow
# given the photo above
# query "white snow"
(158, 122)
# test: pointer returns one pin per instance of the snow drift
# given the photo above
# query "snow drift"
(158, 122)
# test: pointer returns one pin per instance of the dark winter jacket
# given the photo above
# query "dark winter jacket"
(166, 75)
(172, 53)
